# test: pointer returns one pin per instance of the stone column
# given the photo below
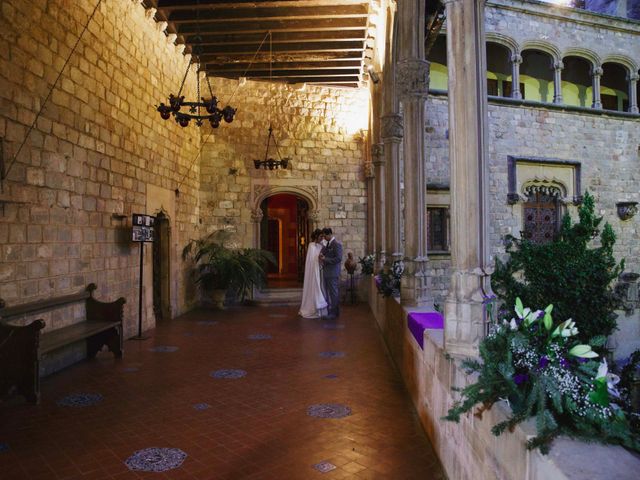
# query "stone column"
(557, 81)
(412, 87)
(633, 93)
(464, 313)
(392, 134)
(256, 218)
(372, 207)
(377, 157)
(596, 73)
(516, 60)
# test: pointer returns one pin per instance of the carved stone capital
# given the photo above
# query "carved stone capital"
(368, 170)
(256, 215)
(558, 65)
(392, 127)
(412, 78)
(516, 58)
(314, 215)
(597, 72)
(377, 153)
(634, 77)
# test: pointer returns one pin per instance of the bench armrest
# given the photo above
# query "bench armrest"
(98, 311)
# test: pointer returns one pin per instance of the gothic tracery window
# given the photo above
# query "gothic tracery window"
(541, 213)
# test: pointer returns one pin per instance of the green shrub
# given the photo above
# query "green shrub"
(568, 273)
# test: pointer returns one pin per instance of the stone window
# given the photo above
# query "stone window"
(437, 229)
(541, 213)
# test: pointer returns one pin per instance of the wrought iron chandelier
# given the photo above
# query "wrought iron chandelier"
(270, 163)
(202, 109)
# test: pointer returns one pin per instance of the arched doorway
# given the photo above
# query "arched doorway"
(162, 267)
(284, 231)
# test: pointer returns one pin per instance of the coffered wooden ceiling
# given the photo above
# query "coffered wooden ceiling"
(313, 41)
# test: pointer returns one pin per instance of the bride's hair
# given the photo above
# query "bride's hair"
(315, 234)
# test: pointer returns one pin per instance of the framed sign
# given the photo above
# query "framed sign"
(142, 230)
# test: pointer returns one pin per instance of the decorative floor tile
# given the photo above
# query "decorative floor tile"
(201, 406)
(333, 326)
(207, 322)
(163, 348)
(331, 354)
(329, 410)
(229, 373)
(260, 336)
(156, 459)
(80, 400)
(324, 467)
(331, 376)
(4, 447)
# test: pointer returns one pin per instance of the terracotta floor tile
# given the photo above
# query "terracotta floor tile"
(255, 427)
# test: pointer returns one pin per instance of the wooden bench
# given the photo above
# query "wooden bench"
(21, 347)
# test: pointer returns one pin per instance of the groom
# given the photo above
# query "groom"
(331, 260)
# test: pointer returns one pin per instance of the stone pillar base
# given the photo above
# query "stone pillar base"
(464, 315)
(415, 285)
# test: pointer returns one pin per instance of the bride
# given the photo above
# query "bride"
(314, 304)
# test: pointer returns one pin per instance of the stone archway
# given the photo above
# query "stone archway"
(305, 217)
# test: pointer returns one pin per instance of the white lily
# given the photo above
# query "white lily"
(566, 329)
(612, 378)
(583, 351)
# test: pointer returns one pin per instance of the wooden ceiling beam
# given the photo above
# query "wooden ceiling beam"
(274, 26)
(281, 57)
(216, 4)
(278, 37)
(242, 67)
(312, 47)
(256, 14)
(291, 73)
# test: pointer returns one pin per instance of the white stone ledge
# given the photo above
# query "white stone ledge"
(468, 450)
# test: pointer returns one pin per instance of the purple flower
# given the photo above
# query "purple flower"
(564, 363)
(520, 378)
(582, 360)
(543, 362)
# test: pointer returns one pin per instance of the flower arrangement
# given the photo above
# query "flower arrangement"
(389, 280)
(367, 263)
(543, 371)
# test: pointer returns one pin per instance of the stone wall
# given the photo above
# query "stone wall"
(605, 145)
(319, 128)
(98, 149)
(540, 24)
(468, 450)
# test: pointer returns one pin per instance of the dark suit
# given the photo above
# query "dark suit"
(332, 264)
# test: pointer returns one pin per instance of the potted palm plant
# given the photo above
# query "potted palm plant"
(222, 270)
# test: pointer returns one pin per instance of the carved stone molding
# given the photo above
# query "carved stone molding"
(597, 72)
(558, 65)
(368, 170)
(377, 153)
(392, 127)
(307, 189)
(516, 58)
(412, 78)
(256, 215)
(314, 215)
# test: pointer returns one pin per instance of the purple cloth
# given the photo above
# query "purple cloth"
(418, 322)
(378, 280)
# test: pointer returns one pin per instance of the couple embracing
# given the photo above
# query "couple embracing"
(320, 292)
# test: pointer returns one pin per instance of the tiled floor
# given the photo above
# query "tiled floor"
(256, 426)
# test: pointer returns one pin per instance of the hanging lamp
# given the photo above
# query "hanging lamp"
(201, 110)
(269, 163)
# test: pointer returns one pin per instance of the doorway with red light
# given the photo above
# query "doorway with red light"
(284, 231)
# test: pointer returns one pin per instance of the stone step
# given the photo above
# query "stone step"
(278, 297)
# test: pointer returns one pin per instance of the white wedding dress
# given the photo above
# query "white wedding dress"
(314, 304)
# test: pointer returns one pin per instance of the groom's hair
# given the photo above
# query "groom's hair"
(315, 234)
(327, 231)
